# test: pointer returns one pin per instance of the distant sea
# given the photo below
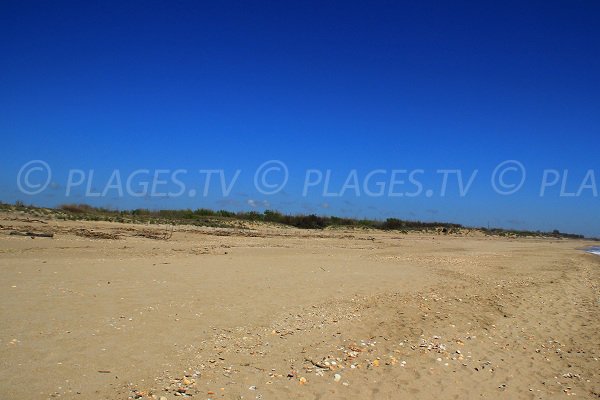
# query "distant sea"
(593, 250)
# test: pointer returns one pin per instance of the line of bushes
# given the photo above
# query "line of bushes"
(204, 216)
(310, 221)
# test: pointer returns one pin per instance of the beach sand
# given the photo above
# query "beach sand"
(111, 311)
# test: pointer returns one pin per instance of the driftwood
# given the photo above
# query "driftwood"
(32, 234)
(36, 220)
(165, 234)
(95, 235)
(316, 364)
(168, 235)
(29, 220)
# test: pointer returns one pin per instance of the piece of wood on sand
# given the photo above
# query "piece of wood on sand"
(33, 234)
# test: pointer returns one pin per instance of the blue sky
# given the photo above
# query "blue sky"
(318, 85)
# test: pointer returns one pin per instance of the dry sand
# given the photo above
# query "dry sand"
(108, 311)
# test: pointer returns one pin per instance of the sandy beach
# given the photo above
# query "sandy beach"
(257, 311)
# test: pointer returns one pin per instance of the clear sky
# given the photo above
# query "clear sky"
(317, 85)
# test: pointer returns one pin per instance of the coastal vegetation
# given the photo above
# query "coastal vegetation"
(224, 218)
